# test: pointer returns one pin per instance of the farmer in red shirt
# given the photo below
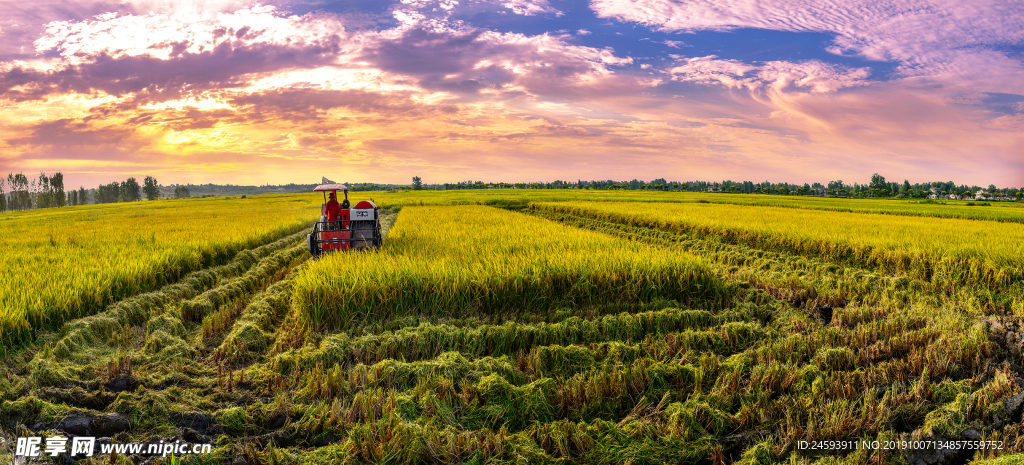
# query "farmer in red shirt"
(333, 209)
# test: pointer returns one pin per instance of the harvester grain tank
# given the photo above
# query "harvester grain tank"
(342, 227)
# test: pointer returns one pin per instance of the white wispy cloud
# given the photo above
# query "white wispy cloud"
(446, 7)
(927, 37)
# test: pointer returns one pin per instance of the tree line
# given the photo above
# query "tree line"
(876, 187)
(18, 192)
(44, 192)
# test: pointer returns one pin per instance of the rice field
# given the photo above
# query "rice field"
(1012, 212)
(474, 259)
(64, 264)
(558, 331)
(964, 209)
(949, 252)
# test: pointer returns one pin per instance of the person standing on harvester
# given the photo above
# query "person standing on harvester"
(333, 209)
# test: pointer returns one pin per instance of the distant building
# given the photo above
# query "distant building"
(934, 193)
(980, 195)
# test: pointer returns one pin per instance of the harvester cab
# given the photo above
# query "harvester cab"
(342, 227)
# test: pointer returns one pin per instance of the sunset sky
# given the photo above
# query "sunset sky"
(513, 90)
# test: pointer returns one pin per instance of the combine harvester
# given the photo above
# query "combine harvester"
(341, 227)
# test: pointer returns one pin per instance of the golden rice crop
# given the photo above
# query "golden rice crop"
(472, 258)
(66, 263)
(944, 250)
(995, 211)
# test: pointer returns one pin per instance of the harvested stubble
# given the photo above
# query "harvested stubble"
(470, 259)
(197, 308)
(685, 399)
(252, 333)
(430, 340)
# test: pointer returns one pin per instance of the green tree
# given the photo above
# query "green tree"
(20, 198)
(57, 189)
(3, 197)
(83, 195)
(417, 183)
(877, 182)
(130, 190)
(44, 195)
(151, 189)
(181, 192)
(108, 193)
(835, 186)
